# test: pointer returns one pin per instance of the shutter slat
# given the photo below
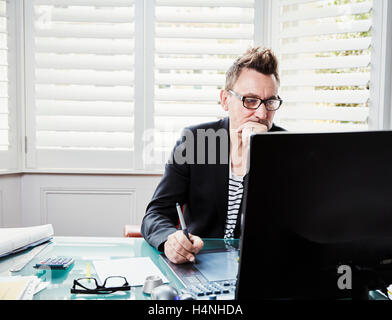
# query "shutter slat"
(85, 124)
(206, 3)
(79, 30)
(84, 108)
(190, 79)
(327, 28)
(89, 46)
(327, 96)
(85, 61)
(329, 45)
(189, 110)
(326, 63)
(88, 14)
(292, 2)
(4, 143)
(186, 95)
(326, 12)
(3, 74)
(205, 18)
(184, 48)
(4, 89)
(359, 114)
(4, 122)
(97, 3)
(91, 140)
(334, 79)
(193, 64)
(317, 126)
(3, 59)
(3, 105)
(84, 77)
(202, 33)
(59, 92)
(3, 9)
(3, 23)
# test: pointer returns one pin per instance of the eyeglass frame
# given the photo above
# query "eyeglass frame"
(242, 98)
(100, 289)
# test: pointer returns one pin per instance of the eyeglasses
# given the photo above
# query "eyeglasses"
(91, 286)
(272, 104)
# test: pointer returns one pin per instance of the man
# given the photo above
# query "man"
(212, 190)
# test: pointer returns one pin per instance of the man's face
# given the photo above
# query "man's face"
(250, 83)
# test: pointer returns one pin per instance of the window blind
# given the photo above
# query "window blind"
(4, 143)
(195, 43)
(81, 85)
(324, 49)
(8, 129)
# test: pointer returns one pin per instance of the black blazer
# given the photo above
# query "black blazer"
(202, 188)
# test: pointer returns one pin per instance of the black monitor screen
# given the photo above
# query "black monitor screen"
(317, 219)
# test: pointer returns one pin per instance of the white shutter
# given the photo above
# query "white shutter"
(80, 86)
(195, 43)
(4, 143)
(324, 50)
(8, 129)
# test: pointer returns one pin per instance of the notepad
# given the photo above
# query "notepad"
(19, 287)
(135, 270)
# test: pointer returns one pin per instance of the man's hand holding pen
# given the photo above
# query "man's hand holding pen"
(179, 249)
(182, 246)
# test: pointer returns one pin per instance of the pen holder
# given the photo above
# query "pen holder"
(150, 283)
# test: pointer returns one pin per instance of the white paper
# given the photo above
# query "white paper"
(135, 270)
(31, 288)
(15, 238)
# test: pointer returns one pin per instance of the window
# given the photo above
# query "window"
(80, 88)
(107, 81)
(324, 51)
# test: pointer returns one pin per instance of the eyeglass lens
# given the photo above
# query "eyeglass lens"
(88, 283)
(112, 282)
(253, 103)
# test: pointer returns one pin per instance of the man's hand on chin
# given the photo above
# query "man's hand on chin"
(240, 138)
(249, 128)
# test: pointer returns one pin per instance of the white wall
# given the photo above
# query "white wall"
(10, 200)
(76, 205)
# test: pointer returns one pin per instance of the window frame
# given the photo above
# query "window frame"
(380, 114)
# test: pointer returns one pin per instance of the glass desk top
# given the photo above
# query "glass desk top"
(85, 250)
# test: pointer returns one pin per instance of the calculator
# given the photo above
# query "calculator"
(58, 263)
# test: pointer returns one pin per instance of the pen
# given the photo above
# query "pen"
(182, 221)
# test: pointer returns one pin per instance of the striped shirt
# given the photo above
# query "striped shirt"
(236, 191)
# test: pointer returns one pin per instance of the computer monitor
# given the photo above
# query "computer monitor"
(317, 216)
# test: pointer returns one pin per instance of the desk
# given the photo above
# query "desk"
(85, 250)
